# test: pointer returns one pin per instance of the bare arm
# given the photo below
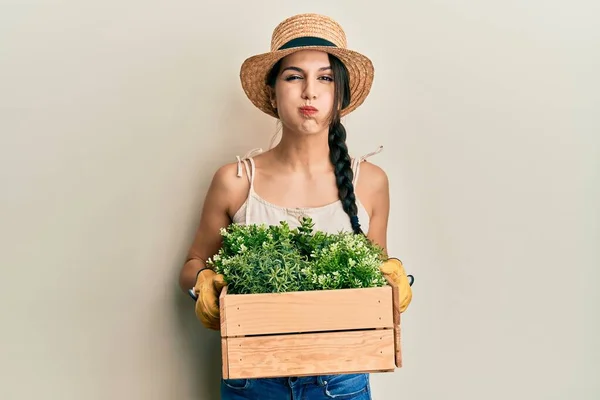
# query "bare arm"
(373, 187)
(223, 194)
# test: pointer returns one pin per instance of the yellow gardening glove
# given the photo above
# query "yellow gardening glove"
(394, 273)
(207, 289)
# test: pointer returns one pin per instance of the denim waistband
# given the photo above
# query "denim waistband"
(320, 380)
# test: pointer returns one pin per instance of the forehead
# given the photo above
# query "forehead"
(307, 58)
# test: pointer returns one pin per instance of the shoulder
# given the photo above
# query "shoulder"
(229, 187)
(372, 188)
(226, 173)
(230, 177)
(372, 177)
(234, 177)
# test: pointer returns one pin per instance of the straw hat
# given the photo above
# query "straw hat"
(303, 32)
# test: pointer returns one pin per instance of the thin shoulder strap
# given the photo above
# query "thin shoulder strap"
(253, 171)
(246, 168)
(356, 163)
(249, 171)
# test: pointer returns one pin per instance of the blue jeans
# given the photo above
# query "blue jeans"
(341, 387)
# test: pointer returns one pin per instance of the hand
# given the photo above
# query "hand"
(394, 273)
(207, 289)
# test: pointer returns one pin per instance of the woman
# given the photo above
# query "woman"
(308, 81)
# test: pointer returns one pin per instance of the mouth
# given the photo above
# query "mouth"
(308, 110)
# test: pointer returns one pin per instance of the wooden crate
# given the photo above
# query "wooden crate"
(310, 333)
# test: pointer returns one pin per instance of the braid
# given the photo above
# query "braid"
(338, 154)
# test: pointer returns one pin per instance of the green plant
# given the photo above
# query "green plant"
(274, 259)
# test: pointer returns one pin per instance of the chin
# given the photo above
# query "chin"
(306, 127)
(312, 130)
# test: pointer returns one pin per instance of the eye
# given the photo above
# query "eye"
(292, 77)
(327, 78)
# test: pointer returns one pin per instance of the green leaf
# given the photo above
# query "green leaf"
(273, 259)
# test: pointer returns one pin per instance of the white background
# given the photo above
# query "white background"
(115, 114)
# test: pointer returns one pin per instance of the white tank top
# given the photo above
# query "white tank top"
(328, 218)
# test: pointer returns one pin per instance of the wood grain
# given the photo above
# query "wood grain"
(396, 315)
(310, 354)
(224, 358)
(222, 312)
(311, 311)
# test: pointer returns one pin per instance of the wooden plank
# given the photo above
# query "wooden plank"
(397, 347)
(222, 312)
(310, 311)
(224, 358)
(311, 354)
(396, 315)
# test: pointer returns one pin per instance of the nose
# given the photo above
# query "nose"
(309, 92)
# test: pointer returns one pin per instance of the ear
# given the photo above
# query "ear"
(272, 98)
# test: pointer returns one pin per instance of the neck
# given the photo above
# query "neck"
(303, 152)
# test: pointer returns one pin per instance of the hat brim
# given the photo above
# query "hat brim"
(254, 71)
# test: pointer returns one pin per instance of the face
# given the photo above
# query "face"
(304, 92)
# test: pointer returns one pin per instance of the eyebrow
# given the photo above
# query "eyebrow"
(298, 69)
